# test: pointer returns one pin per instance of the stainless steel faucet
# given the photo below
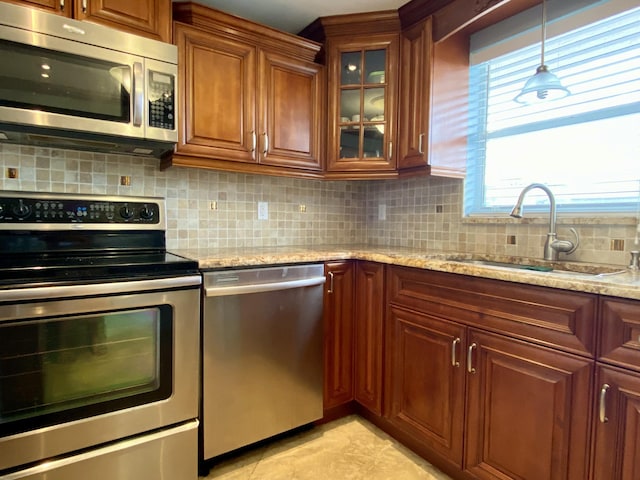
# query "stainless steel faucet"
(552, 246)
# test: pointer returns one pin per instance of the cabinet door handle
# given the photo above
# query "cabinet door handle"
(84, 6)
(420, 146)
(330, 282)
(266, 144)
(454, 353)
(390, 151)
(254, 141)
(470, 367)
(603, 403)
(61, 4)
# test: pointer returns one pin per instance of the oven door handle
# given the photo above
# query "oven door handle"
(110, 288)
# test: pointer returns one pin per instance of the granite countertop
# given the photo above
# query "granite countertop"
(614, 280)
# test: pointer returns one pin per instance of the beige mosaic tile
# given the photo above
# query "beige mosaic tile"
(422, 213)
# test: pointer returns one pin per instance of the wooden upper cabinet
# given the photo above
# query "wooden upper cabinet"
(250, 97)
(217, 97)
(149, 18)
(59, 7)
(362, 103)
(362, 54)
(415, 86)
(290, 111)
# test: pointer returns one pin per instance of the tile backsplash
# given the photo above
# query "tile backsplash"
(423, 213)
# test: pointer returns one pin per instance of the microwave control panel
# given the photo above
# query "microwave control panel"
(161, 100)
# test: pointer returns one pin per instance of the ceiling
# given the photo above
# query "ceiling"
(293, 15)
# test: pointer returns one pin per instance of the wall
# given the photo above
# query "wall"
(334, 210)
(422, 213)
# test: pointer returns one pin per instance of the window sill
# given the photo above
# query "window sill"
(543, 219)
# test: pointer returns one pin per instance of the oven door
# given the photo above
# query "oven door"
(89, 364)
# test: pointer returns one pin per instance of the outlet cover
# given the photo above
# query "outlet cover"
(263, 211)
(382, 212)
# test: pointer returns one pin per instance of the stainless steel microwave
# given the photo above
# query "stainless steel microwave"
(79, 85)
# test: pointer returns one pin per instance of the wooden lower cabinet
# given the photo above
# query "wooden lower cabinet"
(527, 410)
(616, 413)
(468, 372)
(617, 425)
(481, 401)
(338, 333)
(425, 380)
(369, 335)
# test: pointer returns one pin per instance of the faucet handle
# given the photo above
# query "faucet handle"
(567, 246)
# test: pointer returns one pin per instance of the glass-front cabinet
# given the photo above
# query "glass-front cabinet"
(362, 103)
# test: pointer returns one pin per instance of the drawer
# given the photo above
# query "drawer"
(547, 316)
(620, 337)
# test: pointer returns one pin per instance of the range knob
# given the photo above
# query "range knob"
(126, 212)
(21, 210)
(146, 213)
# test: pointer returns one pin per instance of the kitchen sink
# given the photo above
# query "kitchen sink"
(574, 268)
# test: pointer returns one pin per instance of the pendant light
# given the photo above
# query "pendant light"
(544, 85)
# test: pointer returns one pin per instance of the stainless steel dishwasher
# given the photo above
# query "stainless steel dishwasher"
(262, 354)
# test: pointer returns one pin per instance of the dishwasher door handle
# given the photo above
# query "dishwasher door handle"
(262, 287)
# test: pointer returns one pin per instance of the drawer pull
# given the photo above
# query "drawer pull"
(603, 403)
(470, 367)
(454, 354)
(330, 283)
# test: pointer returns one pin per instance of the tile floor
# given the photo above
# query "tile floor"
(348, 449)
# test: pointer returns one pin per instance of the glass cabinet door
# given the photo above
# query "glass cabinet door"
(362, 104)
(361, 118)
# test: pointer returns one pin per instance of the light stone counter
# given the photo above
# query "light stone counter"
(601, 279)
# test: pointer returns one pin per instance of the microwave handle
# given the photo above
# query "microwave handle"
(138, 93)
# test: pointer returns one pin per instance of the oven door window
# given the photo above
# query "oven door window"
(73, 367)
(35, 78)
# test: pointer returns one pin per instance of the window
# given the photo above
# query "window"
(585, 147)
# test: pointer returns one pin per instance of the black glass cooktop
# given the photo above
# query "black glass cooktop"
(31, 270)
(34, 258)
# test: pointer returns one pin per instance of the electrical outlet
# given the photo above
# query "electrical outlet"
(12, 172)
(213, 205)
(263, 211)
(382, 212)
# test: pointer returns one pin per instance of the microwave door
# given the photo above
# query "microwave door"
(58, 83)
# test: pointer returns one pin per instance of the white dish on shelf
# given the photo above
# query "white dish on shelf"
(376, 77)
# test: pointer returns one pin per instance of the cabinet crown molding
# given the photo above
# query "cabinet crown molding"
(384, 21)
(236, 28)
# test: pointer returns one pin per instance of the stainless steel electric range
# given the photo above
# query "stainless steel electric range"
(99, 341)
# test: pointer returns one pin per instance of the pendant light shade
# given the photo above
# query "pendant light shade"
(544, 85)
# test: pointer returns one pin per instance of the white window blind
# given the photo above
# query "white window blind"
(585, 147)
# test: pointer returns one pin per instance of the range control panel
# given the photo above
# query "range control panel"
(71, 209)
